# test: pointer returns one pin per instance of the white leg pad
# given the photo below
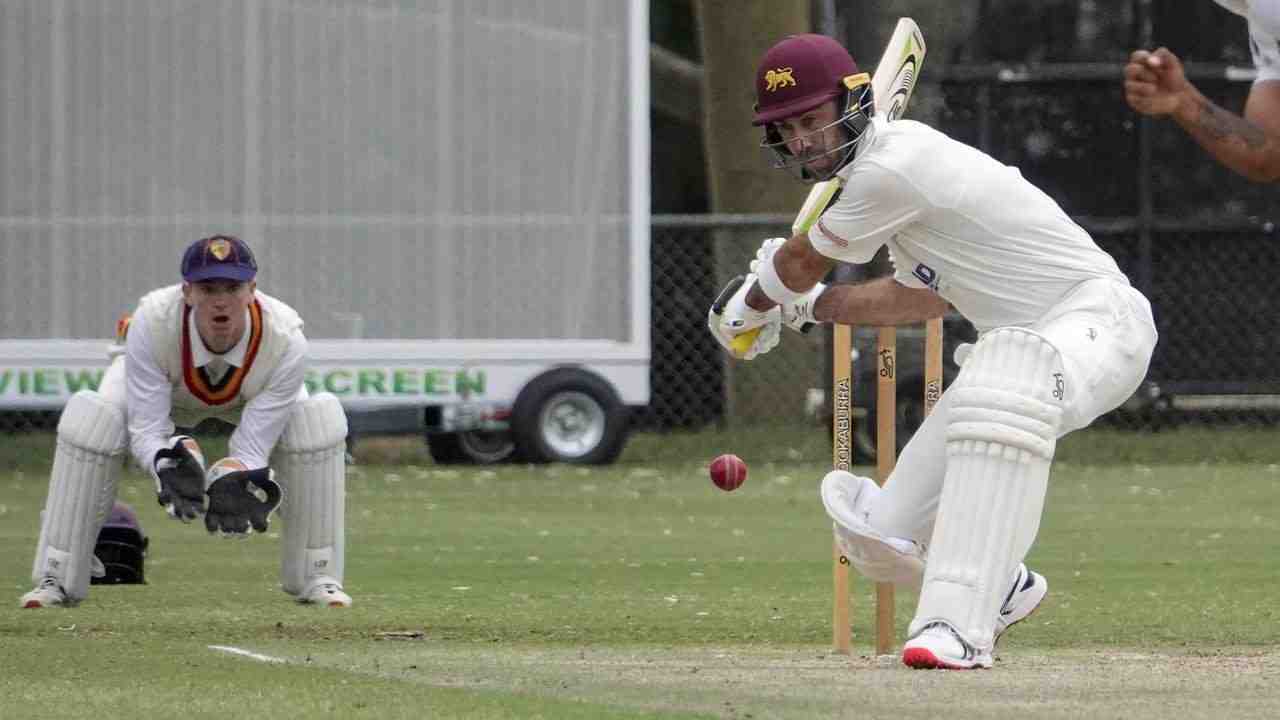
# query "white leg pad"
(1001, 434)
(312, 472)
(82, 486)
(848, 499)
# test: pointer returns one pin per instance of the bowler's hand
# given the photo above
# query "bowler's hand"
(1154, 82)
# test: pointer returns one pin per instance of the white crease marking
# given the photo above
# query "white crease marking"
(247, 653)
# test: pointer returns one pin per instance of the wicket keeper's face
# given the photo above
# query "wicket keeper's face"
(813, 136)
(220, 308)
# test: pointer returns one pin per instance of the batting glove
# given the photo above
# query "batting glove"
(799, 315)
(742, 330)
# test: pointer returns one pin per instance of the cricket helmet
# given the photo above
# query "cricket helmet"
(121, 547)
(797, 75)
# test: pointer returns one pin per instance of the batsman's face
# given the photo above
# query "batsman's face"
(813, 137)
(219, 307)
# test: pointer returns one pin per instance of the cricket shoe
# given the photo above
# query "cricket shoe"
(324, 591)
(47, 594)
(938, 647)
(1029, 589)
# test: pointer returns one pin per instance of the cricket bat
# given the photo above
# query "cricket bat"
(891, 85)
(894, 79)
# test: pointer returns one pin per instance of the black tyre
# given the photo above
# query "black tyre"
(569, 415)
(476, 447)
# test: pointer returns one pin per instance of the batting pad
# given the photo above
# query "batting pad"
(1006, 407)
(848, 499)
(312, 472)
(82, 487)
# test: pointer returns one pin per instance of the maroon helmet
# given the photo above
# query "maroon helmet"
(797, 75)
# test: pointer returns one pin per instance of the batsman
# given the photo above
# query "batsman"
(209, 348)
(1063, 338)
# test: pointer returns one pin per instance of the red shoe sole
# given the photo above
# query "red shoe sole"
(923, 659)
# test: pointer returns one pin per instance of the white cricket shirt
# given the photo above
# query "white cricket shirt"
(992, 244)
(1264, 33)
(168, 378)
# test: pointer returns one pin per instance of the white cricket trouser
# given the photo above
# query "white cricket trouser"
(1105, 333)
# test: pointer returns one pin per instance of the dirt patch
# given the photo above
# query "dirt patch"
(798, 683)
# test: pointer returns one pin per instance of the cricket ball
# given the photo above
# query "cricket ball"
(728, 472)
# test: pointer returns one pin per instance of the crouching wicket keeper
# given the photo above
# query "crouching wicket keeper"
(209, 347)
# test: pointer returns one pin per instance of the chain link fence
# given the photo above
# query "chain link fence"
(1198, 240)
(1215, 362)
(695, 384)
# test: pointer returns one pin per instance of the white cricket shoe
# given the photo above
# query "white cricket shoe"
(938, 647)
(324, 591)
(47, 594)
(1029, 588)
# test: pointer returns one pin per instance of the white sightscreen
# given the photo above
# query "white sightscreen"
(403, 169)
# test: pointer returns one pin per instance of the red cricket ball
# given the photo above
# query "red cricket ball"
(728, 472)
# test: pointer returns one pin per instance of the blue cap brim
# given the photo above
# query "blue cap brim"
(221, 272)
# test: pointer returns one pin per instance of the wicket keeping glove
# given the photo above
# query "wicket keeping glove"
(241, 501)
(179, 482)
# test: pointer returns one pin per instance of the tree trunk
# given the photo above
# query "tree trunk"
(734, 35)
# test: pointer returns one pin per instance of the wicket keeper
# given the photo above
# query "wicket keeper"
(1063, 338)
(212, 346)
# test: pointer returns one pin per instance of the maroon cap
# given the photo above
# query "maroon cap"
(799, 74)
(221, 257)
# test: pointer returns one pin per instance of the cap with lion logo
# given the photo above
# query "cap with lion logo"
(221, 257)
(798, 74)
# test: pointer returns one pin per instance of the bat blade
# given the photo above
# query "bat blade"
(891, 84)
(899, 67)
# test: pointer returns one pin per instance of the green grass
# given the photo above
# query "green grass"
(640, 590)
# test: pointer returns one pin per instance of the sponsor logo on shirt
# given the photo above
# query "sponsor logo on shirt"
(926, 275)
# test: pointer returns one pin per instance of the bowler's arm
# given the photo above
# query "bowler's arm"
(1248, 145)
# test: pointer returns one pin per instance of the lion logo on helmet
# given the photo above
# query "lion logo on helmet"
(779, 78)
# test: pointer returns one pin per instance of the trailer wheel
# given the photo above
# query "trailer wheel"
(478, 447)
(569, 415)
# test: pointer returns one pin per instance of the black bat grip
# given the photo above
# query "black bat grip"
(722, 299)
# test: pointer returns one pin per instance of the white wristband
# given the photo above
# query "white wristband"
(772, 285)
